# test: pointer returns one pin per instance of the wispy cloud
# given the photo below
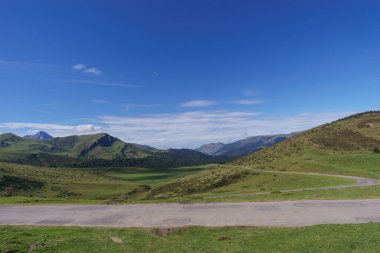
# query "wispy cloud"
(132, 106)
(88, 70)
(94, 71)
(28, 64)
(100, 83)
(198, 103)
(79, 66)
(248, 101)
(100, 101)
(189, 129)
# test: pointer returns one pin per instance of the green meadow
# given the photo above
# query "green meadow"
(322, 238)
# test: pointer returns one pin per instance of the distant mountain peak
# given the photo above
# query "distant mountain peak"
(211, 148)
(244, 146)
(40, 136)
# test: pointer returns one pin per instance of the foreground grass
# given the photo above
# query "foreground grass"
(321, 238)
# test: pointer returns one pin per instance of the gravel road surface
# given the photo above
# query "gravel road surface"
(277, 214)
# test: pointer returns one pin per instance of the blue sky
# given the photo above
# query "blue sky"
(183, 73)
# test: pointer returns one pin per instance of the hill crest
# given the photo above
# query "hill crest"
(358, 133)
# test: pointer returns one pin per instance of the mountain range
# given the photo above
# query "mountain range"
(93, 150)
(243, 147)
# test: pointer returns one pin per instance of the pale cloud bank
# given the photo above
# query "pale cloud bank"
(189, 129)
(58, 129)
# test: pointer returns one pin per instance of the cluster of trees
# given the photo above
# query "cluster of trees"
(7, 181)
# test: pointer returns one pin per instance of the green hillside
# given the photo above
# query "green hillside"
(348, 146)
(102, 146)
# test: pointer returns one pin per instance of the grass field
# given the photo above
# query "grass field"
(321, 238)
(216, 183)
(154, 177)
(61, 184)
(31, 184)
(364, 165)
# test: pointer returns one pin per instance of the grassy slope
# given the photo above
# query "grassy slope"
(322, 238)
(343, 147)
(220, 181)
(154, 177)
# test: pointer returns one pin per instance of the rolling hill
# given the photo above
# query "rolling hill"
(92, 151)
(347, 146)
(245, 146)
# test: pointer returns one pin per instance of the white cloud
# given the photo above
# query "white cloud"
(189, 129)
(198, 103)
(87, 70)
(79, 66)
(94, 71)
(248, 101)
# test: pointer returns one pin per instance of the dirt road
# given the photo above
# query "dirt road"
(281, 214)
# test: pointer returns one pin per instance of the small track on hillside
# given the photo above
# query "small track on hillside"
(360, 181)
